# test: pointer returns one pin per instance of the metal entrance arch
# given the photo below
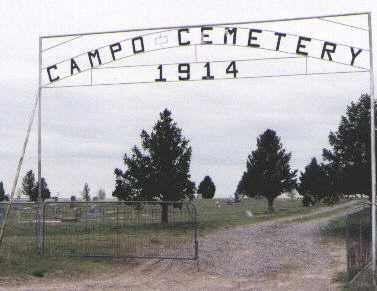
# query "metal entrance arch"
(184, 70)
(251, 33)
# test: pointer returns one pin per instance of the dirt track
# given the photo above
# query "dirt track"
(275, 255)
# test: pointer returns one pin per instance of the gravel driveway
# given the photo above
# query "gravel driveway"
(264, 248)
(283, 254)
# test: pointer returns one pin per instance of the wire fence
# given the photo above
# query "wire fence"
(154, 229)
(358, 242)
(129, 229)
(20, 232)
(104, 229)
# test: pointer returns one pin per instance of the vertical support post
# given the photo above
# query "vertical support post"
(348, 218)
(194, 217)
(43, 228)
(373, 146)
(39, 212)
(117, 252)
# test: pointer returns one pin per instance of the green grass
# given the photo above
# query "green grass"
(19, 268)
(18, 257)
(212, 217)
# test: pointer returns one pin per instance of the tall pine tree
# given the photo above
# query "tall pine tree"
(314, 183)
(101, 194)
(85, 194)
(28, 184)
(207, 188)
(45, 192)
(160, 170)
(349, 157)
(30, 187)
(2, 192)
(268, 173)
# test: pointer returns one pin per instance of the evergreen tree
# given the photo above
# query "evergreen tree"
(45, 192)
(241, 188)
(160, 170)
(2, 192)
(85, 194)
(207, 188)
(268, 173)
(349, 157)
(73, 199)
(101, 194)
(314, 183)
(28, 185)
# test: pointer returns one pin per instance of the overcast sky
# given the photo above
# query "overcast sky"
(86, 131)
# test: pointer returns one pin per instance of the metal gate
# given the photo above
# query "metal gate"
(120, 229)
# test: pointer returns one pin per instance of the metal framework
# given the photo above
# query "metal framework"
(129, 229)
(373, 144)
(321, 17)
(373, 154)
(208, 24)
(358, 242)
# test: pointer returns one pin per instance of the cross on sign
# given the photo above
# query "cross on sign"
(161, 40)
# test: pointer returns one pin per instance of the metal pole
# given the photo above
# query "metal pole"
(373, 147)
(205, 24)
(20, 161)
(39, 213)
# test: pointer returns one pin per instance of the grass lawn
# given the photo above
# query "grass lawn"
(140, 234)
(212, 216)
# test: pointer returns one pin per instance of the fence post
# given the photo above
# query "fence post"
(196, 244)
(348, 247)
(117, 249)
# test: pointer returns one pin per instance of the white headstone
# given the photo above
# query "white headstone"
(249, 213)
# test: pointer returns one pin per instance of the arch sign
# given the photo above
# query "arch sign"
(332, 44)
(208, 52)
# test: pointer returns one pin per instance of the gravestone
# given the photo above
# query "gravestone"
(249, 213)
(94, 212)
(25, 215)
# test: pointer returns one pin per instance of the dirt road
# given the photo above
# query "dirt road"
(284, 254)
